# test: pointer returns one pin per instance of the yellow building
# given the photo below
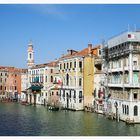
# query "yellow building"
(88, 81)
(77, 73)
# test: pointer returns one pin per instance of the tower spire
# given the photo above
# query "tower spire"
(30, 59)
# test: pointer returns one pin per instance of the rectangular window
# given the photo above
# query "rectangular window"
(64, 93)
(80, 94)
(75, 64)
(80, 100)
(74, 96)
(80, 64)
(60, 93)
(80, 81)
(134, 63)
(60, 66)
(99, 52)
(135, 78)
(70, 64)
(135, 96)
(70, 93)
(51, 70)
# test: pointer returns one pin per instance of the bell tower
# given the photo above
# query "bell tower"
(30, 60)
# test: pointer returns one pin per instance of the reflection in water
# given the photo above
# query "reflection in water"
(17, 120)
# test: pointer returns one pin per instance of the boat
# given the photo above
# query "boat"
(53, 108)
(23, 102)
(129, 122)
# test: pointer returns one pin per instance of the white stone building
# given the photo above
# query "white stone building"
(122, 55)
(99, 75)
(24, 85)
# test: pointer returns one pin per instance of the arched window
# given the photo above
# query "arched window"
(67, 79)
(123, 109)
(51, 78)
(67, 95)
(127, 108)
(30, 55)
(75, 64)
(135, 110)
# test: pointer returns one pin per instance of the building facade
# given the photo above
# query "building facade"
(24, 85)
(10, 80)
(77, 73)
(122, 58)
(99, 75)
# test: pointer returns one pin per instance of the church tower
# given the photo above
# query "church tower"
(30, 60)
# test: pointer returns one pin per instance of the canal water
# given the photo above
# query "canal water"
(20, 120)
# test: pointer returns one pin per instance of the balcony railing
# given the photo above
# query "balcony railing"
(115, 85)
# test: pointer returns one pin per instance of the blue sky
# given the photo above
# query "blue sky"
(55, 28)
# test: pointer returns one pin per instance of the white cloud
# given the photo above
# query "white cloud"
(48, 9)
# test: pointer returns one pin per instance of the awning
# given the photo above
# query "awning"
(35, 87)
(24, 91)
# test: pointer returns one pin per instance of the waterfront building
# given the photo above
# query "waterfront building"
(24, 85)
(41, 80)
(36, 81)
(3, 80)
(77, 73)
(99, 75)
(10, 82)
(122, 60)
(52, 83)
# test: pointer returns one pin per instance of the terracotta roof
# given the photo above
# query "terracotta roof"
(52, 64)
(11, 69)
(39, 66)
(83, 52)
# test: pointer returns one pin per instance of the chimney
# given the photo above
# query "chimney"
(89, 48)
(69, 51)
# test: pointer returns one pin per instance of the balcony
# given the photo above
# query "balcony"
(132, 85)
(115, 85)
(118, 69)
